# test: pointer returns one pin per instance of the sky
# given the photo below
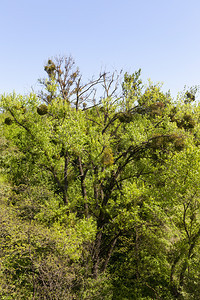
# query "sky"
(160, 37)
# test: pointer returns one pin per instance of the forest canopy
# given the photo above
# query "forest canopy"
(99, 185)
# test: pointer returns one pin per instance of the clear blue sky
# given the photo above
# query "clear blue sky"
(160, 37)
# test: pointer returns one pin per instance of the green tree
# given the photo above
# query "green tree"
(122, 169)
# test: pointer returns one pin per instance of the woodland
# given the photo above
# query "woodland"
(99, 189)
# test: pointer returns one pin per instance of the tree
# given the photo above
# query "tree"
(115, 166)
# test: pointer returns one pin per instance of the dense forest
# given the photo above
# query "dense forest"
(99, 186)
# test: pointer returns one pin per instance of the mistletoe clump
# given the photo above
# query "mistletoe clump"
(42, 110)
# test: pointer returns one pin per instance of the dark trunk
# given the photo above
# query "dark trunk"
(83, 186)
(109, 253)
(96, 256)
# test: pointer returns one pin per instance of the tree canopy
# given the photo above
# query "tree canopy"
(99, 189)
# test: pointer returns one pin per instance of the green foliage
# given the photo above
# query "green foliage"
(100, 202)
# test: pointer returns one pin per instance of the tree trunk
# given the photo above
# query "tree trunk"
(83, 186)
(96, 256)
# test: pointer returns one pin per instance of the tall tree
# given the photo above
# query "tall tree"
(117, 163)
